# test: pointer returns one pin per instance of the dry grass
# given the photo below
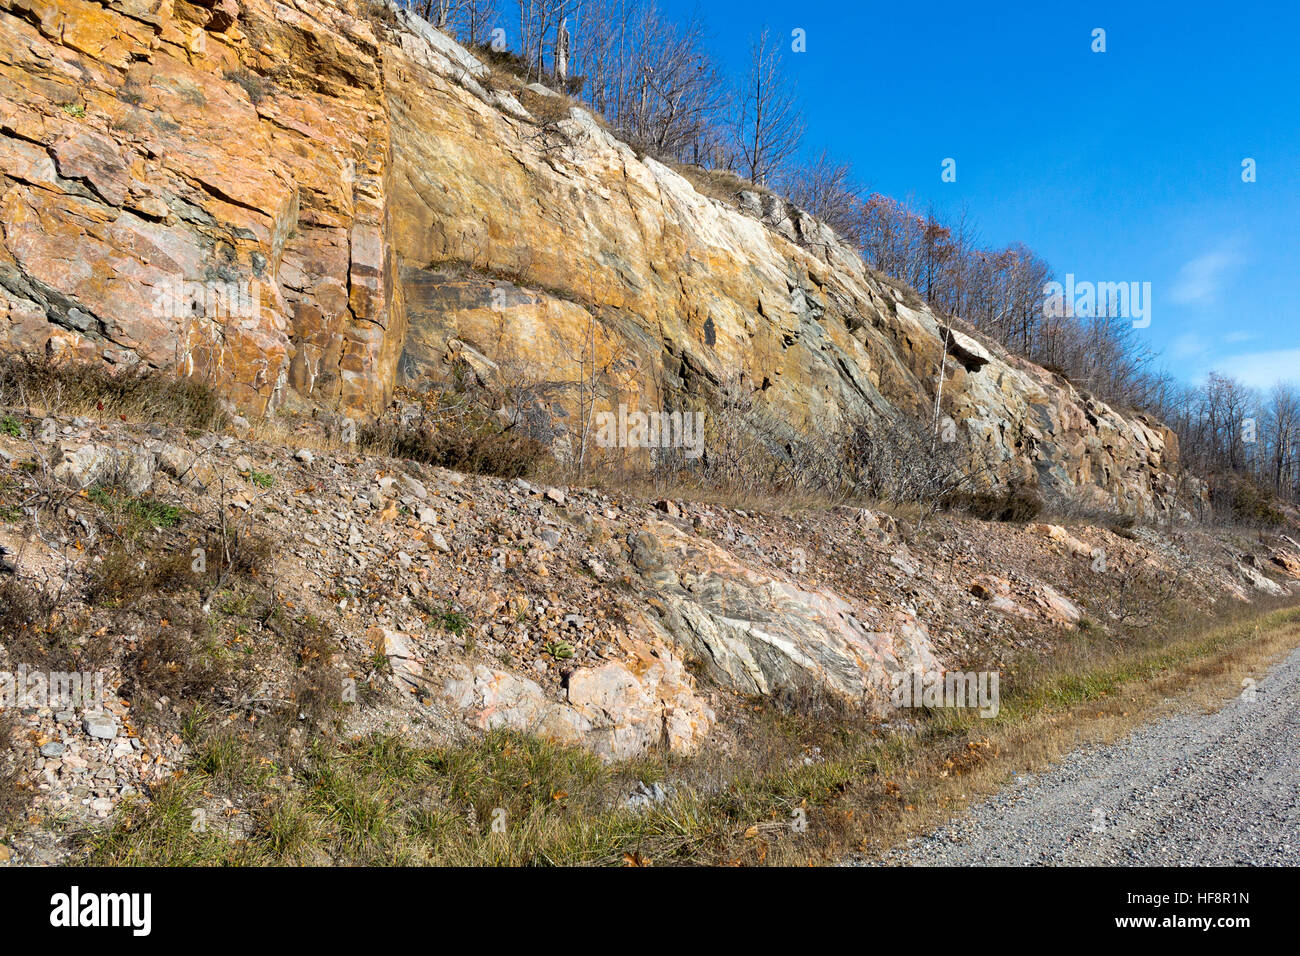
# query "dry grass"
(649, 484)
(720, 184)
(35, 632)
(131, 569)
(455, 432)
(1016, 502)
(751, 462)
(509, 73)
(910, 297)
(1093, 696)
(99, 392)
(546, 109)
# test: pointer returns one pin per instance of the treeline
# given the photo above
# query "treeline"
(656, 82)
(1228, 430)
(1000, 291)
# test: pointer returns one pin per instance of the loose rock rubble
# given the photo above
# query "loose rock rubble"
(594, 618)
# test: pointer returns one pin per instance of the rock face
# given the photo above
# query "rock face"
(202, 187)
(611, 709)
(763, 635)
(312, 201)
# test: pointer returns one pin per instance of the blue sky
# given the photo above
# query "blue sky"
(1116, 166)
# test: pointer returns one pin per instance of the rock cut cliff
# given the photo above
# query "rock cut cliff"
(313, 201)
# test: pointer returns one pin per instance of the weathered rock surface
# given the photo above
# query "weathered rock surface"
(1259, 582)
(202, 188)
(1288, 561)
(611, 709)
(82, 465)
(1058, 608)
(1067, 541)
(760, 634)
(311, 201)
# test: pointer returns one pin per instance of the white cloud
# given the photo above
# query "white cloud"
(1201, 280)
(1189, 345)
(1262, 369)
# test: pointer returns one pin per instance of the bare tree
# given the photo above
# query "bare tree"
(768, 125)
(827, 189)
(1282, 434)
(469, 21)
(653, 79)
(541, 27)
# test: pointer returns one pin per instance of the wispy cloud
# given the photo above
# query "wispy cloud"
(1202, 279)
(1189, 345)
(1262, 369)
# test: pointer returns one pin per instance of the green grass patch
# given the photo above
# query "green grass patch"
(451, 620)
(139, 512)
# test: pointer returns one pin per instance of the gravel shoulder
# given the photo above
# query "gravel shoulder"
(1195, 789)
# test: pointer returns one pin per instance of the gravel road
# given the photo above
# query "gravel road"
(1195, 789)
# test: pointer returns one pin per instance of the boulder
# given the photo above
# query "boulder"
(1287, 561)
(1059, 535)
(987, 586)
(130, 469)
(100, 726)
(1055, 607)
(760, 634)
(965, 349)
(631, 710)
(185, 466)
(614, 709)
(398, 648)
(1259, 582)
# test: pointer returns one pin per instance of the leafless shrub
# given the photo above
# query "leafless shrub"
(1145, 597)
(22, 609)
(131, 569)
(316, 690)
(139, 393)
(895, 461)
(1245, 501)
(1017, 501)
(453, 430)
(747, 448)
(179, 659)
(27, 631)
